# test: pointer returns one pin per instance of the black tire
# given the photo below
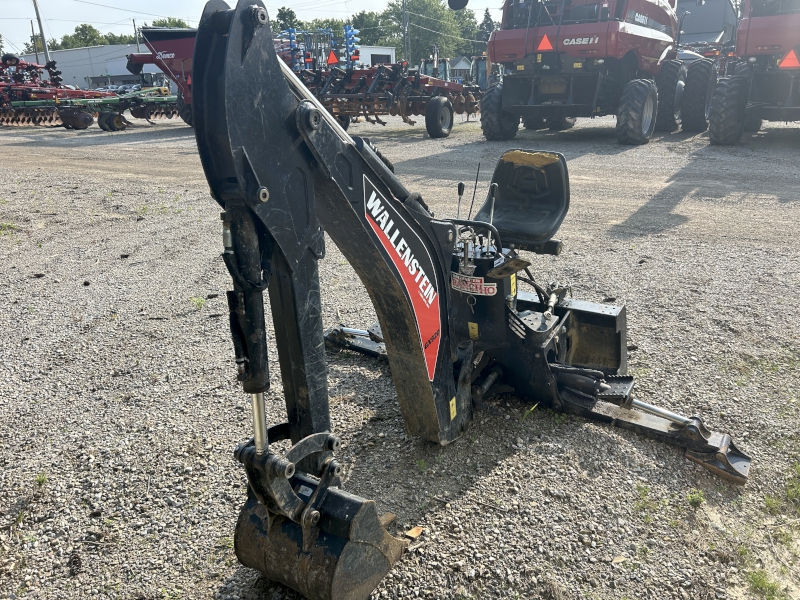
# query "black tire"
(727, 116)
(439, 117)
(184, 110)
(561, 123)
(344, 121)
(101, 120)
(670, 83)
(701, 81)
(10, 60)
(497, 124)
(636, 116)
(534, 123)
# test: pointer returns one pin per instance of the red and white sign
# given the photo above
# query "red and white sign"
(472, 285)
(411, 258)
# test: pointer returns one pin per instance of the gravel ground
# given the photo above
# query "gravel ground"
(119, 408)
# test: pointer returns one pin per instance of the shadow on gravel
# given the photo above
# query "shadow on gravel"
(712, 174)
(57, 137)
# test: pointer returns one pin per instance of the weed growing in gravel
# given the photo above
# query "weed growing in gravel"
(696, 498)
(772, 505)
(198, 302)
(529, 412)
(422, 465)
(41, 479)
(8, 228)
(793, 489)
(761, 584)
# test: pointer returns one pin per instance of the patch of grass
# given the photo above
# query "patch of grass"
(8, 228)
(225, 542)
(793, 488)
(199, 303)
(422, 466)
(784, 537)
(761, 584)
(41, 479)
(529, 412)
(772, 505)
(695, 498)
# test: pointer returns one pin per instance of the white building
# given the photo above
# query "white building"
(376, 55)
(95, 66)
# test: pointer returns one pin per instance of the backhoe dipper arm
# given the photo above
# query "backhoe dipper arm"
(273, 153)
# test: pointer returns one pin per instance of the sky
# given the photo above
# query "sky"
(60, 17)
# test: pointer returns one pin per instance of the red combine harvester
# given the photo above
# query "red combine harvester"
(564, 59)
(347, 93)
(764, 82)
(171, 50)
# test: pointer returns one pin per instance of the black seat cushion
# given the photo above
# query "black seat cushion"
(532, 197)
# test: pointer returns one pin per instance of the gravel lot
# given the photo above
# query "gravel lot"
(119, 408)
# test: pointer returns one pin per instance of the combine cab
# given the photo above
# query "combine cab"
(764, 81)
(585, 58)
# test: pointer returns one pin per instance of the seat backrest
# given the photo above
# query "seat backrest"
(532, 197)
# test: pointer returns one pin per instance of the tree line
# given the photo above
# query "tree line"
(456, 32)
(88, 35)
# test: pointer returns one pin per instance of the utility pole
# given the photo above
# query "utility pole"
(406, 49)
(41, 32)
(33, 38)
(136, 35)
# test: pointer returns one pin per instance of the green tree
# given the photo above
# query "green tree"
(85, 35)
(430, 22)
(486, 27)
(336, 25)
(370, 26)
(468, 29)
(284, 19)
(113, 39)
(35, 45)
(171, 22)
(1, 44)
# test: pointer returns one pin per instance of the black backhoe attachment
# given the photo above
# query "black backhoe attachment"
(452, 322)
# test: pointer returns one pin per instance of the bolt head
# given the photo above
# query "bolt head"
(450, 235)
(314, 118)
(263, 194)
(260, 16)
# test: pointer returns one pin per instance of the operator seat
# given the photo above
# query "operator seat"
(531, 200)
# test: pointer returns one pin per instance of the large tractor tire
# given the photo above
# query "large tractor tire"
(496, 123)
(439, 117)
(670, 83)
(101, 120)
(701, 81)
(727, 115)
(184, 110)
(10, 60)
(561, 123)
(534, 123)
(636, 116)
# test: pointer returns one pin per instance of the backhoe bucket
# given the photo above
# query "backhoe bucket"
(344, 558)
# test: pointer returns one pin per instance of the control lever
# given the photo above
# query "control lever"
(460, 194)
(492, 194)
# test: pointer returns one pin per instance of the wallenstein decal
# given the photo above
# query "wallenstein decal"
(410, 256)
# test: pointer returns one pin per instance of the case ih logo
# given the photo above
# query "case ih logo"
(581, 41)
(164, 55)
(410, 256)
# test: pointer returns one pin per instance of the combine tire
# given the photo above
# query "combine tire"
(636, 117)
(561, 123)
(495, 122)
(534, 123)
(670, 83)
(439, 117)
(726, 118)
(184, 110)
(344, 121)
(701, 80)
